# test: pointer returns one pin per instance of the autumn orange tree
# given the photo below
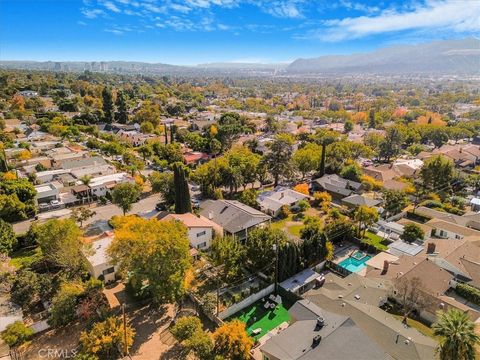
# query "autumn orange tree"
(152, 252)
(232, 341)
(302, 188)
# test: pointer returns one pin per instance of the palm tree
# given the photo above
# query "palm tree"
(457, 333)
(86, 181)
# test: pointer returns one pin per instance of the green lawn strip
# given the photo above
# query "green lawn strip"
(295, 229)
(422, 328)
(374, 240)
(25, 257)
(256, 316)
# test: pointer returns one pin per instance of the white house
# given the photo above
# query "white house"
(271, 202)
(447, 230)
(101, 185)
(99, 263)
(201, 231)
(48, 192)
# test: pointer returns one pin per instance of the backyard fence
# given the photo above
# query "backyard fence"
(337, 269)
(246, 302)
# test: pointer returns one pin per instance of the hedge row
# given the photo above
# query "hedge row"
(470, 293)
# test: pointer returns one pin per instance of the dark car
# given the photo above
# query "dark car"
(161, 206)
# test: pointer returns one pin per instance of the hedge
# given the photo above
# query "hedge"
(470, 293)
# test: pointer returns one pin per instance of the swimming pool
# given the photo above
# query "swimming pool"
(356, 262)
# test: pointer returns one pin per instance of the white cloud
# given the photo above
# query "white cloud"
(92, 13)
(283, 9)
(452, 15)
(114, 31)
(111, 6)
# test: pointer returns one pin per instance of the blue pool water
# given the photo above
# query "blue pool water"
(354, 265)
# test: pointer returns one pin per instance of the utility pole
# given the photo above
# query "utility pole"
(125, 345)
(275, 248)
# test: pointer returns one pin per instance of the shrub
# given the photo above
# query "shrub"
(16, 334)
(469, 292)
(186, 327)
(284, 212)
(303, 205)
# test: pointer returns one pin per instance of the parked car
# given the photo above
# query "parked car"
(161, 206)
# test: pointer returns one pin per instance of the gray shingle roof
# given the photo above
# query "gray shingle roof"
(232, 215)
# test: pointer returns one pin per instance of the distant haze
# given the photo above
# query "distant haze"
(449, 57)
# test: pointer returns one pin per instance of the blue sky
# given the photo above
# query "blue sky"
(199, 31)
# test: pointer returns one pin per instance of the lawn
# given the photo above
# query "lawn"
(422, 328)
(25, 257)
(375, 240)
(288, 224)
(255, 316)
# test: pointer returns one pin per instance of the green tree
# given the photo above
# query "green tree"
(348, 126)
(64, 304)
(16, 334)
(61, 244)
(391, 145)
(122, 114)
(259, 246)
(412, 232)
(229, 252)
(352, 172)
(183, 203)
(107, 105)
(8, 240)
(395, 201)
(232, 341)
(106, 339)
(279, 157)
(365, 217)
(146, 152)
(457, 335)
(25, 288)
(154, 252)
(371, 119)
(162, 182)
(81, 214)
(185, 327)
(437, 174)
(325, 138)
(230, 127)
(147, 127)
(307, 159)
(124, 195)
(249, 197)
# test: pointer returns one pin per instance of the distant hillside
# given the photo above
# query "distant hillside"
(244, 66)
(439, 57)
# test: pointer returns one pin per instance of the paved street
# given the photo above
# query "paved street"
(143, 207)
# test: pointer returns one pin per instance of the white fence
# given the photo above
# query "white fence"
(246, 302)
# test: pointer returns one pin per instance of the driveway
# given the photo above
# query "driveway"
(145, 207)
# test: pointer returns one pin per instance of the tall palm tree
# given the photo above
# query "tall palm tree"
(86, 181)
(457, 333)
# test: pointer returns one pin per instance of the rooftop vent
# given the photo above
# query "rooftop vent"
(316, 340)
(320, 322)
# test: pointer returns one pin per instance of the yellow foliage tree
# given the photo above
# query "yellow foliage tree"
(24, 155)
(431, 118)
(323, 199)
(232, 341)
(359, 117)
(369, 183)
(302, 188)
(152, 252)
(9, 176)
(106, 339)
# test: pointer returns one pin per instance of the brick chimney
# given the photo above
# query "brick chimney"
(431, 248)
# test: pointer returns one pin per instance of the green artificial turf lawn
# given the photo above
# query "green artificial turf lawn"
(265, 319)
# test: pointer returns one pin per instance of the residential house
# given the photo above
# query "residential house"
(201, 230)
(195, 157)
(336, 186)
(470, 220)
(101, 185)
(354, 201)
(99, 263)
(271, 202)
(233, 216)
(448, 230)
(316, 333)
(359, 298)
(48, 192)
(134, 137)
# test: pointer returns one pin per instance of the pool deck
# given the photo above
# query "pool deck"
(344, 253)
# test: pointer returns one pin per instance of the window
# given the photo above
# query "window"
(108, 271)
(458, 237)
(201, 245)
(201, 233)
